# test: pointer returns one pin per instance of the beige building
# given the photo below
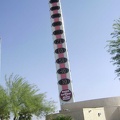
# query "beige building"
(94, 114)
(98, 109)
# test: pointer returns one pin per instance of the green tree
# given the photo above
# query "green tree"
(63, 117)
(114, 47)
(24, 99)
(4, 105)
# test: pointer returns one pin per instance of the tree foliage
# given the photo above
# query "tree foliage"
(114, 47)
(4, 105)
(23, 100)
(62, 117)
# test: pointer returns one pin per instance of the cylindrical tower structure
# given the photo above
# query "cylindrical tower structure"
(61, 53)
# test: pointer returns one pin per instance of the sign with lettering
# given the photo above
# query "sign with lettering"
(60, 50)
(61, 53)
(61, 60)
(59, 41)
(66, 95)
(64, 81)
(63, 71)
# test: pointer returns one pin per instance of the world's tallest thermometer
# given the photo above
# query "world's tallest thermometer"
(61, 54)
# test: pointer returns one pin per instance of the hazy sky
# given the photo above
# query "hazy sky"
(27, 45)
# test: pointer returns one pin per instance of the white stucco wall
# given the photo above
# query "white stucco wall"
(94, 114)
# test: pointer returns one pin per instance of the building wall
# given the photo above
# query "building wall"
(112, 113)
(94, 114)
(76, 115)
(103, 102)
(108, 113)
(109, 107)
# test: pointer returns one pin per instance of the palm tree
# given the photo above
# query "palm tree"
(24, 100)
(114, 47)
(4, 104)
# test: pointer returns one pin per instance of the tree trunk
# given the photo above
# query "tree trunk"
(15, 118)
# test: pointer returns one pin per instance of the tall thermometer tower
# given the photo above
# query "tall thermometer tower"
(61, 54)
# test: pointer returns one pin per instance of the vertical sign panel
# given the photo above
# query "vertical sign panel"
(61, 55)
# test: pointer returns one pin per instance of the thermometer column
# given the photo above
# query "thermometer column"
(61, 53)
